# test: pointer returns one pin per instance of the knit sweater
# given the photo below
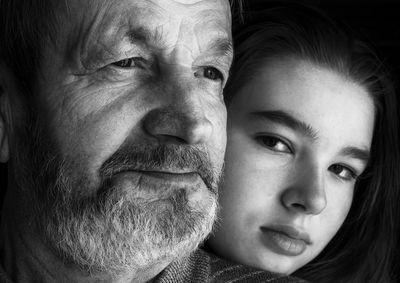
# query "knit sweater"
(203, 266)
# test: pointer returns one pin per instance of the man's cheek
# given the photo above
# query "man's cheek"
(219, 117)
(87, 122)
(97, 140)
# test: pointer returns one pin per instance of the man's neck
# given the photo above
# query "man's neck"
(26, 258)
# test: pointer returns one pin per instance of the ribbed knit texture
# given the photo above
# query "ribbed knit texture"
(203, 266)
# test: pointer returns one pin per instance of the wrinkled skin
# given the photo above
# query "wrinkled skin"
(130, 124)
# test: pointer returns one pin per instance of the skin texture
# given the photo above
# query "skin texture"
(105, 106)
(279, 174)
(121, 74)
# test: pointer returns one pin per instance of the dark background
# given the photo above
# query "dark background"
(377, 20)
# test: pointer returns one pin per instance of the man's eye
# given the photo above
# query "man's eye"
(212, 73)
(343, 172)
(274, 144)
(127, 63)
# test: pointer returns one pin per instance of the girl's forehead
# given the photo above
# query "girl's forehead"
(328, 102)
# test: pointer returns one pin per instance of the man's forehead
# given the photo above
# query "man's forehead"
(108, 17)
(168, 8)
(96, 27)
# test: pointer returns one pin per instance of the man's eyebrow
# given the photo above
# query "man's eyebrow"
(144, 35)
(222, 45)
(286, 119)
(356, 153)
(140, 34)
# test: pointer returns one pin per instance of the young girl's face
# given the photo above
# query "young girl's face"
(298, 137)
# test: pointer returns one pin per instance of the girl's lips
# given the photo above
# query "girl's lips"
(285, 240)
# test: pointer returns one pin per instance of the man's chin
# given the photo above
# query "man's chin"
(120, 231)
(129, 221)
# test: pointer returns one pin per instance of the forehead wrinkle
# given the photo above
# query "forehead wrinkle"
(223, 46)
(183, 3)
(101, 22)
(89, 25)
(218, 40)
(135, 27)
(186, 44)
(221, 37)
(187, 40)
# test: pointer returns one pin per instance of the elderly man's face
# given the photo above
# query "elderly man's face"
(132, 108)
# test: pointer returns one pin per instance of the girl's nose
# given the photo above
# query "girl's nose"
(307, 193)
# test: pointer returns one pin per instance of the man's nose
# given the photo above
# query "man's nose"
(307, 193)
(180, 118)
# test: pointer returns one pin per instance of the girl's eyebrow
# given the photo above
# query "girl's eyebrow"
(356, 153)
(286, 119)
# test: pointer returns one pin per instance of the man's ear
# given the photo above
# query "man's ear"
(5, 117)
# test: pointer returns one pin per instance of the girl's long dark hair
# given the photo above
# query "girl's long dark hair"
(363, 248)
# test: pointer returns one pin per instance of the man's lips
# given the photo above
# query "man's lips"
(285, 239)
(172, 177)
(157, 181)
(155, 169)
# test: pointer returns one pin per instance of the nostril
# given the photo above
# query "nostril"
(175, 126)
(171, 139)
(299, 206)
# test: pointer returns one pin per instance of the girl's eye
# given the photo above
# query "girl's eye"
(274, 144)
(127, 63)
(343, 172)
(213, 74)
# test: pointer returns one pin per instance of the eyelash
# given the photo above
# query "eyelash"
(352, 172)
(218, 75)
(261, 140)
(137, 61)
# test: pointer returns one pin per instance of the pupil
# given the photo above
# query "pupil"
(211, 74)
(270, 142)
(125, 63)
(337, 168)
